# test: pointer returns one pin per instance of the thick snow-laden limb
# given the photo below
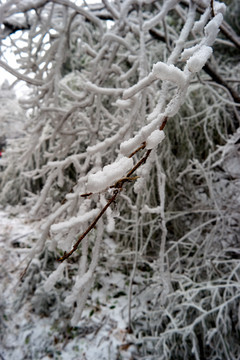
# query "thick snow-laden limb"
(111, 8)
(44, 192)
(219, 7)
(183, 37)
(118, 39)
(160, 71)
(102, 90)
(138, 87)
(170, 72)
(199, 25)
(109, 174)
(212, 28)
(80, 283)
(168, 5)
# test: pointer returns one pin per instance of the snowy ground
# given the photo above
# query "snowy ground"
(101, 334)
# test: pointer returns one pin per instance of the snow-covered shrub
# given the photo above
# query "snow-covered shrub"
(122, 134)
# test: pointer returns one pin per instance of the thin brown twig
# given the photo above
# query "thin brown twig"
(118, 188)
(86, 195)
(110, 201)
(138, 149)
(142, 161)
(212, 8)
(119, 183)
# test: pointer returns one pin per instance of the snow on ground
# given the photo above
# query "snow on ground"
(101, 334)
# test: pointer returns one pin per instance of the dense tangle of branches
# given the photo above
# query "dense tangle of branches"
(103, 79)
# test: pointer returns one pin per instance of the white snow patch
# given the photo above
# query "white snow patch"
(95, 336)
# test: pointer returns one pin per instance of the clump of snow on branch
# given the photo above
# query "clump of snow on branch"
(109, 174)
(199, 59)
(155, 139)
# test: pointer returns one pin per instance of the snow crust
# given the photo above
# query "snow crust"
(131, 144)
(109, 174)
(199, 25)
(160, 71)
(212, 29)
(187, 53)
(219, 7)
(123, 104)
(164, 71)
(154, 139)
(199, 59)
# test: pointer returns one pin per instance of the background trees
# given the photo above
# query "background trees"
(96, 97)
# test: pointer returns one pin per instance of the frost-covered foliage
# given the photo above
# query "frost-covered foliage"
(12, 119)
(128, 138)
